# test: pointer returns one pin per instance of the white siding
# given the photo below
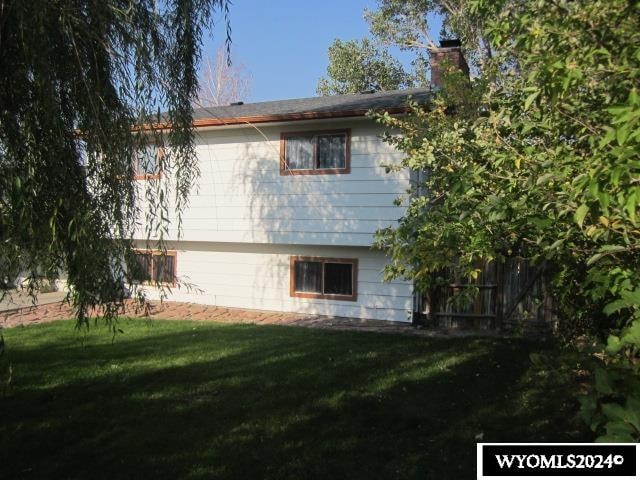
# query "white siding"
(256, 276)
(241, 196)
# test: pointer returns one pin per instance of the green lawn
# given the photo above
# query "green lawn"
(202, 400)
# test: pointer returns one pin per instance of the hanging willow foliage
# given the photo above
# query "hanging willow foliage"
(80, 80)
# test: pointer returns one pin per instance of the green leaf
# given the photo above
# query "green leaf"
(594, 258)
(618, 413)
(615, 306)
(613, 411)
(588, 407)
(529, 100)
(622, 133)
(630, 207)
(618, 110)
(546, 178)
(633, 403)
(581, 212)
(633, 299)
(603, 385)
(614, 345)
(609, 136)
(613, 248)
(620, 428)
(606, 249)
(556, 244)
(539, 360)
(527, 127)
(631, 334)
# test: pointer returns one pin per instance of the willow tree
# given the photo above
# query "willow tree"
(80, 82)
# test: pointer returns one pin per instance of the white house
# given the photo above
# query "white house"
(290, 196)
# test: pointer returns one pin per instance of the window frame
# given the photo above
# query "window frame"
(158, 253)
(151, 176)
(325, 296)
(284, 170)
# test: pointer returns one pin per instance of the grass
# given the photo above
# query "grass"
(203, 400)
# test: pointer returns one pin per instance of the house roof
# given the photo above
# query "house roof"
(334, 106)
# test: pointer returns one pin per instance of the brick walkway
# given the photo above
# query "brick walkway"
(192, 311)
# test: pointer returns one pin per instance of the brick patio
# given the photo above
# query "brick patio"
(197, 312)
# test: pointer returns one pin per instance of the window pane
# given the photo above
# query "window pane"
(142, 268)
(308, 277)
(299, 152)
(337, 278)
(81, 148)
(147, 161)
(164, 268)
(331, 151)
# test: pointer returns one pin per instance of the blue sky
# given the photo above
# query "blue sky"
(283, 43)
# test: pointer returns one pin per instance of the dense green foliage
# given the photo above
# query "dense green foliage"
(358, 65)
(196, 400)
(75, 77)
(540, 160)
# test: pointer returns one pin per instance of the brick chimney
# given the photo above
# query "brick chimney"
(448, 50)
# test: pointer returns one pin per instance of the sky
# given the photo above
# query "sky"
(284, 43)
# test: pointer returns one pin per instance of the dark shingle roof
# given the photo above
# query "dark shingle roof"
(309, 108)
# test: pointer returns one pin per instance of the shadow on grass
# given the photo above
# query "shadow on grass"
(194, 400)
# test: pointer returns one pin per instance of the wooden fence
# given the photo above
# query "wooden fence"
(512, 294)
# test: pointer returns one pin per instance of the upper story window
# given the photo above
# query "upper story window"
(305, 153)
(148, 162)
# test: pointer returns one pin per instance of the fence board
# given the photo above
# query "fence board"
(512, 294)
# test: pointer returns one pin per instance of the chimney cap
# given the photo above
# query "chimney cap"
(450, 43)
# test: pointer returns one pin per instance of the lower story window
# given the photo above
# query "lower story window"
(147, 163)
(154, 266)
(331, 278)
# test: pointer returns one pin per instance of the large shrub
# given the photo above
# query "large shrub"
(540, 159)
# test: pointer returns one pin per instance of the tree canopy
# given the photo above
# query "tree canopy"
(358, 65)
(80, 82)
(540, 160)
(408, 25)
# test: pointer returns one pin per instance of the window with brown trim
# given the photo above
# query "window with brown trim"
(329, 278)
(308, 153)
(147, 163)
(153, 266)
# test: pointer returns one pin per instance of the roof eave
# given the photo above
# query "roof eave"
(285, 117)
